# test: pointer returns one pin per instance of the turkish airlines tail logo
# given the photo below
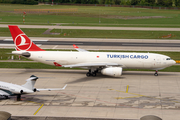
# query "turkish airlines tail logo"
(21, 40)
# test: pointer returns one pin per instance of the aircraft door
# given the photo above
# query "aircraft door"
(158, 61)
(148, 64)
(164, 61)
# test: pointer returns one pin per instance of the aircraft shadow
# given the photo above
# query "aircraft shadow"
(53, 71)
(91, 78)
(40, 98)
(146, 73)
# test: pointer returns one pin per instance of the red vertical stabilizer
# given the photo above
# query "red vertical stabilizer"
(21, 40)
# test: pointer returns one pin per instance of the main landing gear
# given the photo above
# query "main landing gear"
(156, 73)
(88, 74)
(6, 97)
(19, 97)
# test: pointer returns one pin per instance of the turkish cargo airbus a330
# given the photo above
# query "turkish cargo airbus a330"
(110, 63)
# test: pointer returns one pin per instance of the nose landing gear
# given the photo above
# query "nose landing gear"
(156, 73)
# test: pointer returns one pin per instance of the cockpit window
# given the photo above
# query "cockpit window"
(168, 59)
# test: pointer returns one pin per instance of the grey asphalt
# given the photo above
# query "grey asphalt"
(98, 43)
(94, 28)
(95, 97)
(61, 118)
(85, 43)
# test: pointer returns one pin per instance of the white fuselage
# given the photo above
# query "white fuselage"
(126, 59)
(11, 89)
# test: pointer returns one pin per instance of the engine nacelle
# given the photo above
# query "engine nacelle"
(21, 91)
(16, 91)
(112, 71)
(34, 89)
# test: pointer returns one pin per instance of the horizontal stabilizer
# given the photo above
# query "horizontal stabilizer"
(23, 53)
(50, 89)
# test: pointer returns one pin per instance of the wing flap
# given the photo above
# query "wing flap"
(92, 65)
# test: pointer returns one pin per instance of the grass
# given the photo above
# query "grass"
(34, 65)
(31, 32)
(173, 55)
(73, 33)
(29, 65)
(6, 53)
(122, 25)
(121, 34)
(174, 68)
(91, 14)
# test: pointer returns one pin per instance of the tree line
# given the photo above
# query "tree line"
(28, 2)
(165, 3)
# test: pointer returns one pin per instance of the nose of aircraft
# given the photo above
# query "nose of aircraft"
(174, 62)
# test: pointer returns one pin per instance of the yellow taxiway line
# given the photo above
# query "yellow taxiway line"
(127, 88)
(38, 109)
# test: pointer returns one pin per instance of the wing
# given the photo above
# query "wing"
(79, 49)
(92, 65)
(50, 89)
(4, 92)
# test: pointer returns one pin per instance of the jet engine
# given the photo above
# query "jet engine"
(17, 91)
(112, 71)
(34, 89)
(21, 91)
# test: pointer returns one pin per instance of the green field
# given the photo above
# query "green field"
(6, 53)
(28, 31)
(89, 15)
(122, 25)
(120, 34)
(34, 65)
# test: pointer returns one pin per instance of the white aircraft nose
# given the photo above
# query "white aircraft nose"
(174, 62)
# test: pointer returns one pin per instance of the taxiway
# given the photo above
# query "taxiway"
(135, 94)
(100, 44)
(94, 27)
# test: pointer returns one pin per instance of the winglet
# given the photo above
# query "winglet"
(57, 64)
(79, 49)
(64, 87)
(75, 46)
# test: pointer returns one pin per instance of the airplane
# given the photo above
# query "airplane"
(109, 63)
(9, 89)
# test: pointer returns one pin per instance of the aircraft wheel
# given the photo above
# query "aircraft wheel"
(155, 74)
(6, 97)
(94, 74)
(88, 74)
